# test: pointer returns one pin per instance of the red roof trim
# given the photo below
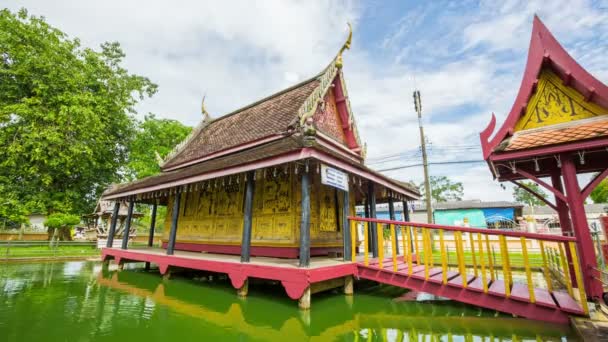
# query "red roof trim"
(544, 50)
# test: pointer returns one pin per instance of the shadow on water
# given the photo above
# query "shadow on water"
(81, 301)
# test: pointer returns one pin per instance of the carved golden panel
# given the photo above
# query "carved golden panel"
(263, 228)
(283, 227)
(327, 209)
(555, 103)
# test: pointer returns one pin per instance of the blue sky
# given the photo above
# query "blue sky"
(466, 57)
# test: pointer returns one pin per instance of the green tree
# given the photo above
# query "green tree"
(60, 225)
(523, 196)
(443, 189)
(66, 117)
(153, 136)
(600, 193)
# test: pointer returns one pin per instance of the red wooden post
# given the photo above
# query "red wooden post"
(584, 242)
(564, 220)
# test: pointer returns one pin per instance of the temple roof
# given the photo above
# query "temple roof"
(555, 100)
(270, 116)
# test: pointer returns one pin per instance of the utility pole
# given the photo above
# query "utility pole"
(425, 164)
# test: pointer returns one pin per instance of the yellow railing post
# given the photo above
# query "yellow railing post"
(365, 244)
(394, 247)
(565, 269)
(579, 277)
(460, 255)
(524, 251)
(546, 272)
(409, 254)
(506, 272)
(490, 261)
(482, 263)
(425, 247)
(353, 240)
(473, 257)
(406, 251)
(444, 259)
(416, 246)
(380, 230)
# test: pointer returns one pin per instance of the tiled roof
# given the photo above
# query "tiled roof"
(557, 134)
(267, 117)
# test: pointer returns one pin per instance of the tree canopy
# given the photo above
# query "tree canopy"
(443, 189)
(600, 193)
(153, 136)
(66, 117)
(523, 196)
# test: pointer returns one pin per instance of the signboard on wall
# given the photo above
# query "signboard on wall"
(334, 177)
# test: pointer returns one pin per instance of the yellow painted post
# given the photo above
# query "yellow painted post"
(473, 257)
(425, 246)
(430, 243)
(460, 254)
(353, 239)
(416, 246)
(546, 272)
(380, 231)
(482, 263)
(579, 277)
(504, 256)
(406, 251)
(565, 269)
(394, 247)
(365, 244)
(409, 254)
(444, 259)
(524, 250)
(490, 261)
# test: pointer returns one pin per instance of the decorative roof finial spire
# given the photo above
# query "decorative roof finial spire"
(346, 45)
(206, 116)
(159, 159)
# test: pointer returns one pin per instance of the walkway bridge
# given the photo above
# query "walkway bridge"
(506, 271)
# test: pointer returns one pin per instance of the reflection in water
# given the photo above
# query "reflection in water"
(80, 301)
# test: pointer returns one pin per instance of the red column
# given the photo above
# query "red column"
(564, 220)
(584, 242)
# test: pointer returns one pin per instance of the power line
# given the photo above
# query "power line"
(433, 163)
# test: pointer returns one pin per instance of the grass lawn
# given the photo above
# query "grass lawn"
(46, 251)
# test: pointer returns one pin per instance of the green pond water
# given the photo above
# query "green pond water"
(81, 301)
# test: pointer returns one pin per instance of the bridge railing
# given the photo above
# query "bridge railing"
(537, 260)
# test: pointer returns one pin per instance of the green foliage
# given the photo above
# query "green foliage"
(153, 135)
(523, 196)
(61, 220)
(66, 117)
(600, 193)
(443, 189)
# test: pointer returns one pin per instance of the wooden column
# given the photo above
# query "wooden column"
(346, 236)
(174, 217)
(391, 213)
(564, 220)
(372, 213)
(586, 250)
(125, 233)
(247, 218)
(305, 222)
(112, 230)
(152, 224)
(406, 217)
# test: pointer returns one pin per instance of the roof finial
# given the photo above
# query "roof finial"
(346, 45)
(159, 159)
(206, 116)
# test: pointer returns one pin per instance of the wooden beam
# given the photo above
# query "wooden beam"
(594, 183)
(174, 218)
(543, 184)
(247, 218)
(112, 230)
(305, 222)
(535, 194)
(125, 233)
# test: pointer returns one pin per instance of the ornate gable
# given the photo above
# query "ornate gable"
(555, 103)
(327, 119)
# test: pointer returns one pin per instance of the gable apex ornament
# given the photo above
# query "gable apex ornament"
(339, 62)
(206, 116)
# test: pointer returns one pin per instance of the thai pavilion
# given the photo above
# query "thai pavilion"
(249, 183)
(556, 129)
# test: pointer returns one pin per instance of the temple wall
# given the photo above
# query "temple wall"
(214, 214)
